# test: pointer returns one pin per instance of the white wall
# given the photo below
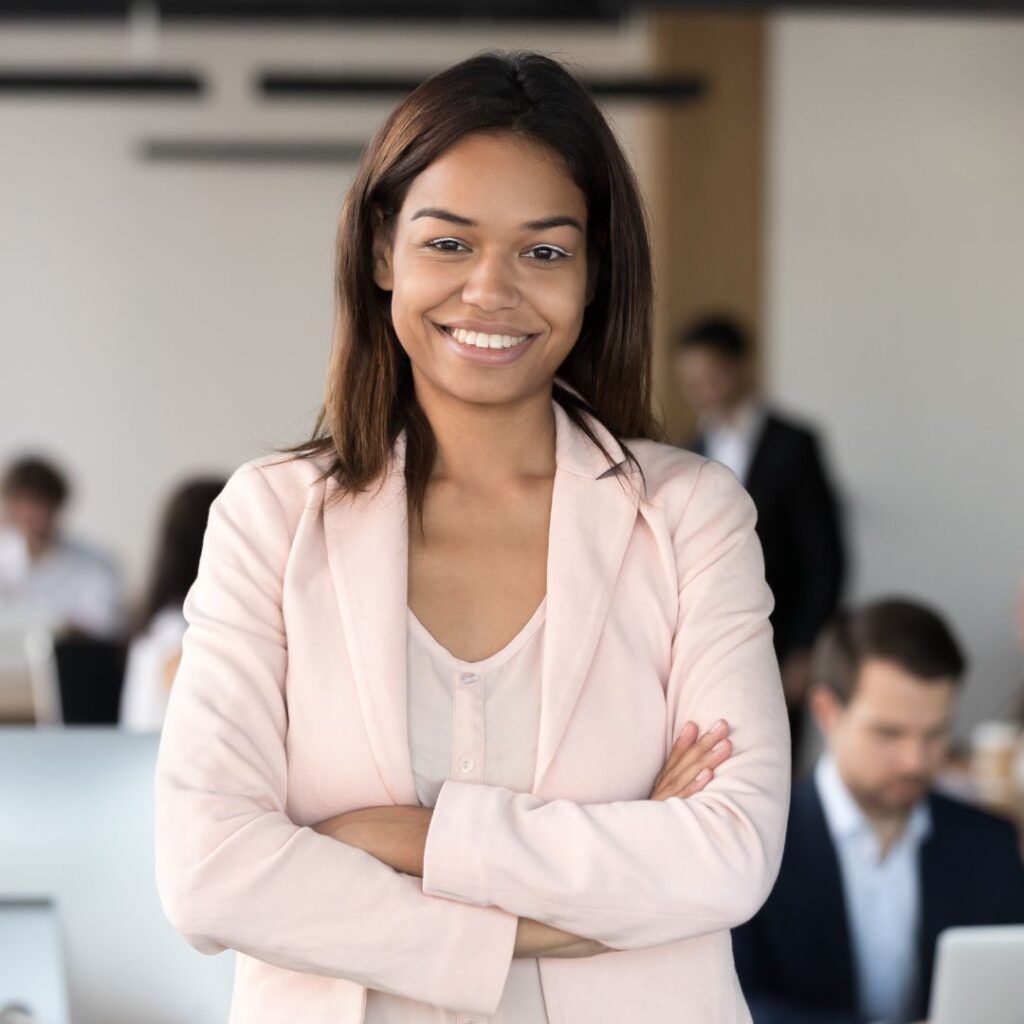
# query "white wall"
(162, 319)
(895, 261)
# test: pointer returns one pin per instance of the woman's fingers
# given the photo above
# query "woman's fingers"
(684, 741)
(691, 762)
(702, 779)
(682, 762)
(713, 749)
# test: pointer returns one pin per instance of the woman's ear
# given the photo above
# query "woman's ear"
(383, 269)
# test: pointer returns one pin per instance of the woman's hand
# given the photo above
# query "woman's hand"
(535, 938)
(692, 762)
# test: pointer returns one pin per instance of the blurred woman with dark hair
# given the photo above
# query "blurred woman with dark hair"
(155, 646)
(448, 738)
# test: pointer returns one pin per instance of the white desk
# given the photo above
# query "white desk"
(76, 827)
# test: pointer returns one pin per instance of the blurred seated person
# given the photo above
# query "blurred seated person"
(47, 578)
(155, 647)
(876, 864)
(779, 462)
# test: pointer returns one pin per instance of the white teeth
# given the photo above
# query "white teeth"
(481, 340)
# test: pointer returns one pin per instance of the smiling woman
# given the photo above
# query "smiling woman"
(448, 739)
(527, 277)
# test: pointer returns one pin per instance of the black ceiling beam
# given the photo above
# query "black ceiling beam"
(308, 85)
(107, 82)
(462, 10)
(250, 151)
(321, 10)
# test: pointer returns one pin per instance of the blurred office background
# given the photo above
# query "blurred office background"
(849, 183)
(844, 180)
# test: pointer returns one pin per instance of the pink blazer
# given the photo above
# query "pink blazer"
(289, 707)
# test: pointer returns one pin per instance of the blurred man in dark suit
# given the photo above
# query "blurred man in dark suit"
(876, 864)
(780, 464)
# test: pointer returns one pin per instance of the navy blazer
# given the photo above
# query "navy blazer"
(794, 958)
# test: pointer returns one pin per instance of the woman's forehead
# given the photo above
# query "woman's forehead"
(498, 179)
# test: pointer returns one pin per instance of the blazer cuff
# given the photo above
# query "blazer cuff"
(455, 850)
(494, 942)
(479, 971)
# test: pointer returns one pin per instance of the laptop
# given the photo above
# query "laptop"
(979, 976)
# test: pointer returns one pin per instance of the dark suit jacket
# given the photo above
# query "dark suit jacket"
(799, 528)
(795, 960)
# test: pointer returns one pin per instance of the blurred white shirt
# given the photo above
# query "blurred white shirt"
(71, 584)
(732, 442)
(882, 897)
(152, 659)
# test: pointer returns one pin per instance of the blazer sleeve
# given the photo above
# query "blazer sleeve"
(637, 873)
(232, 869)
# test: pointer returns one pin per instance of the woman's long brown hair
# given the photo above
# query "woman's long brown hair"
(370, 397)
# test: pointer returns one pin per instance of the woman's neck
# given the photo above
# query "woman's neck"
(486, 445)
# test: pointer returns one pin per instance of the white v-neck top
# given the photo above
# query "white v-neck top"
(476, 721)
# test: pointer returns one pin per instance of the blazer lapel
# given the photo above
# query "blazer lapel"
(368, 555)
(592, 516)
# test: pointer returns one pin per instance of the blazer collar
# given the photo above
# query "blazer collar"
(592, 516)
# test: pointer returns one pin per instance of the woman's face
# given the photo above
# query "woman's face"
(487, 270)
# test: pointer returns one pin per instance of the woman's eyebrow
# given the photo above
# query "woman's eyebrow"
(553, 222)
(532, 225)
(438, 214)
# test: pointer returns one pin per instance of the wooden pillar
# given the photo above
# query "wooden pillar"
(707, 189)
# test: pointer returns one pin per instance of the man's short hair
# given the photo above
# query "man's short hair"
(898, 630)
(723, 335)
(35, 477)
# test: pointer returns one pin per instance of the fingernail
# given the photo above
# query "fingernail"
(704, 775)
(718, 747)
(720, 724)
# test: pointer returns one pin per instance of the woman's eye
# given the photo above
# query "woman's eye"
(444, 244)
(554, 253)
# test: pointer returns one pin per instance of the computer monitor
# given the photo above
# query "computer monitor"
(33, 982)
(979, 976)
(76, 829)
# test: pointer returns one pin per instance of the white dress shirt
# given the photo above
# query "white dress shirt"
(150, 655)
(69, 584)
(477, 722)
(733, 441)
(882, 897)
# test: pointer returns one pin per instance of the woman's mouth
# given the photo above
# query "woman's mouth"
(478, 339)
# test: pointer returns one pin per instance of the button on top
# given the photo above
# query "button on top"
(467, 677)
(466, 765)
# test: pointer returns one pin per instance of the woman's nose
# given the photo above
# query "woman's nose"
(491, 284)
